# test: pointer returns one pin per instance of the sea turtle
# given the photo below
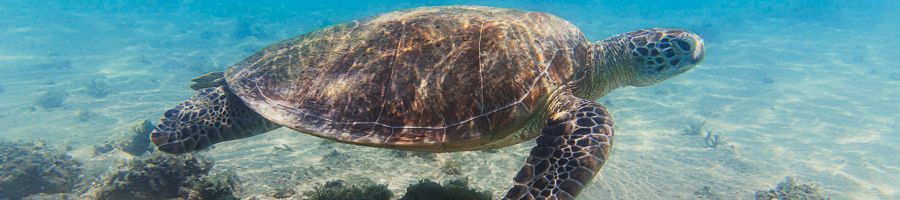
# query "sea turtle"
(439, 79)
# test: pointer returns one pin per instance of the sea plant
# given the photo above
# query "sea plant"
(792, 189)
(452, 190)
(451, 167)
(138, 143)
(165, 177)
(134, 142)
(34, 167)
(336, 190)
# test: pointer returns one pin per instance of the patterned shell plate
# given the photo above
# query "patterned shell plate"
(428, 79)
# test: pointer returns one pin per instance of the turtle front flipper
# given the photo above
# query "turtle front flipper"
(213, 115)
(208, 80)
(569, 153)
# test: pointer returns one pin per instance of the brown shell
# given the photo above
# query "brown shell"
(428, 79)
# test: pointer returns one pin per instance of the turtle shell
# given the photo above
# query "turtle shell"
(427, 79)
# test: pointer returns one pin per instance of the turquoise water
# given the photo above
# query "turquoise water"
(807, 89)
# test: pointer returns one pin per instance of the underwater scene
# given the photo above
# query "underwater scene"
(335, 100)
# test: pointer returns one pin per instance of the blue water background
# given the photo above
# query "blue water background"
(815, 80)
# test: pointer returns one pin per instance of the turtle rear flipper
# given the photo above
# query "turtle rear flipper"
(213, 115)
(569, 153)
(208, 80)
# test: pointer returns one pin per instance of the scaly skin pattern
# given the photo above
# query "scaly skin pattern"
(569, 153)
(213, 115)
(429, 79)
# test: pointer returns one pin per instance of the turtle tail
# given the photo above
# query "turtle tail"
(214, 115)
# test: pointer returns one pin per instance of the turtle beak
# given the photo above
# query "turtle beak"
(697, 53)
(160, 138)
(699, 50)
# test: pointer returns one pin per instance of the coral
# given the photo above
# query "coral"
(698, 128)
(284, 193)
(713, 139)
(216, 186)
(103, 148)
(335, 190)
(791, 189)
(138, 143)
(163, 176)
(451, 167)
(134, 143)
(53, 98)
(30, 168)
(452, 190)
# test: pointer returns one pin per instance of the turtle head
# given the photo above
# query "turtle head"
(656, 54)
(213, 115)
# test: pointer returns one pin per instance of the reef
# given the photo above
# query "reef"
(33, 167)
(452, 190)
(338, 190)
(791, 189)
(164, 176)
(135, 142)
